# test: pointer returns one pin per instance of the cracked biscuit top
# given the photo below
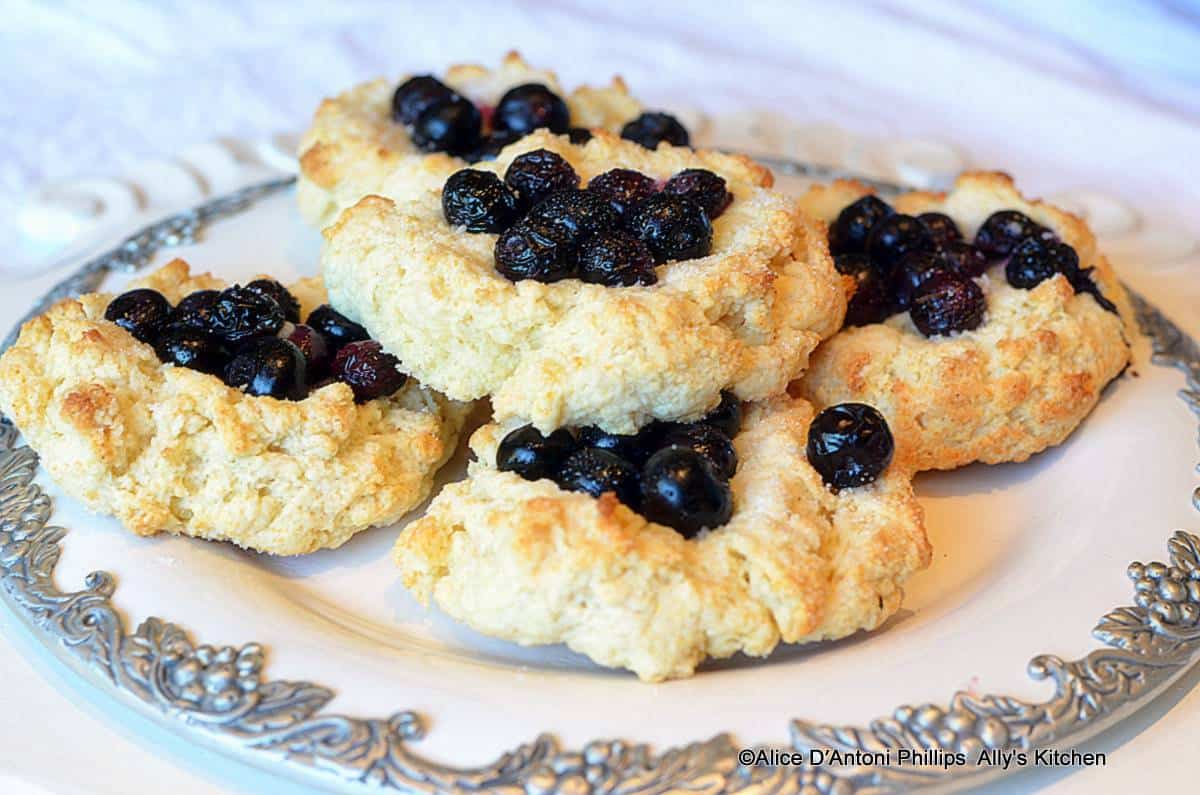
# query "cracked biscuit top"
(585, 311)
(982, 324)
(146, 428)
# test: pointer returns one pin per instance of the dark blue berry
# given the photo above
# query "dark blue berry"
(911, 272)
(964, 258)
(851, 264)
(192, 348)
(336, 328)
(615, 259)
(529, 107)
(269, 366)
(194, 309)
(491, 145)
(595, 471)
(535, 175)
(848, 233)
(579, 135)
(650, 129)
(143, 313)
(680, 490)
(1034, 260)
(893, 237)
(947, 302)
(528, 251)
(872, 299)
(673, 227)
(531, 455)
(453, 125)
(703, 187)
(1003, 230)
(280, 295)
(623, 187)
(369, 370)
(572, 215)
(314, 347)
(727, 416)
(241, 313)
(416, 94)
(708, 441)
(478, 201)
(941, 228)
(849, 445)
(631, 447)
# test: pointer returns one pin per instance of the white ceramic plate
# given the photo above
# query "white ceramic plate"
(1027, 558)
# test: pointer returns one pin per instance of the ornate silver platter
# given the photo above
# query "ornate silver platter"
(223, 695)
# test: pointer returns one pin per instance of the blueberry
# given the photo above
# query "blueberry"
(314, 347)
(192, 348)
(142, 313)
(416, 94)
(528, 251)
(579, 135)
(1003, 230)
(941, 228)
(872, 300)
(710, 442)
(491, 145)
(849, 445)
(650, 129)
(911, 272)
(851, 264)
(615, 259)
(531, 455)
(336, 328)
(596, 471)
(478, 201)
(964, 258)
(893, 237)
(703, 187)
(727, 416)
(194, 309)
(623, 187)
(535, 175)
(369, 370)
(240, 313)
(452, 125)
(673, 227)
(1034, 260)
(681, 490)
(269, 366)
(529, 107)
(632, 447)
(572, 215)
(280, 295)
(947, 302)
(848, 233)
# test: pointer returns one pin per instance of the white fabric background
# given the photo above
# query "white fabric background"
(1063, 95)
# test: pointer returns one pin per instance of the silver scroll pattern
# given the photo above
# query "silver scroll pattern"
(222, 691)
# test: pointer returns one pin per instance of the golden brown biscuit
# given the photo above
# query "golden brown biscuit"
(354, 144)
(532, 563)
(1018, 384)
(168, 449)
(743, 318)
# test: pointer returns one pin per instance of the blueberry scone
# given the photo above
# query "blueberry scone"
(655, 551)
(360, 136)
(983, 325)
(189, 406)
(588, 284)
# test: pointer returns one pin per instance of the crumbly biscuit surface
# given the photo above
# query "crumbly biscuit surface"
(353, 142)
(1021, 382)
(531, 563)
(744, 318)
(167, 449)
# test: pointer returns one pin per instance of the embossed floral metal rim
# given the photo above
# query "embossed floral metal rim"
(222, 693)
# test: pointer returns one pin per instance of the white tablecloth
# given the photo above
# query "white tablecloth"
(1063, 95)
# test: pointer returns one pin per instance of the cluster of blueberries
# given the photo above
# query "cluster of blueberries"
(442, 120)
(612, 232)
(677, 474)
(251, 337)
(923, 266)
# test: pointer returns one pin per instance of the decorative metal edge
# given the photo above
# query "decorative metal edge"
(222, 691)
